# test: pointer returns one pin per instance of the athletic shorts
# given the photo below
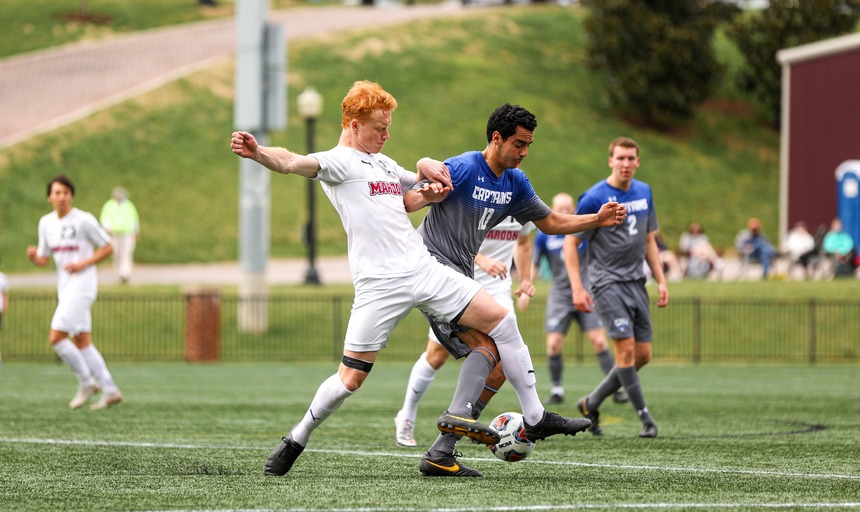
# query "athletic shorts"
(381, 303)
(625, 310)
(73, 316)
(559, 317)
(502, 294)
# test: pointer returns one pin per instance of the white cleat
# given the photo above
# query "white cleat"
(404, 431)
(107, 400)
(83, 396)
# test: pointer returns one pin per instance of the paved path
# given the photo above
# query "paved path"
(44, 90)
(332, 270)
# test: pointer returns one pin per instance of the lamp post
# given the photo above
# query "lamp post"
(310, 107)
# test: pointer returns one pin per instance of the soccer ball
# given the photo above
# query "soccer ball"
(514, 446)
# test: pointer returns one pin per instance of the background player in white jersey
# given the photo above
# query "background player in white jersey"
(506, 243)
(488, 186)
(560, 311)
(618, 279)
(393, 271)
(77, 242)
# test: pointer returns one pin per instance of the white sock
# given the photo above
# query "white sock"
(420, 378)
(330, 395)
(99, 369)
(518, 367)
(70, 354)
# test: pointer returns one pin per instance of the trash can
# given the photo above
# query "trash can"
(848, 194)
(202, 325)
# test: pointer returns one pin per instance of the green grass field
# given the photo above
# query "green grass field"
(194, 437)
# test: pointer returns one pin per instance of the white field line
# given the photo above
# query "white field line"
(30, 440)
(583, 506)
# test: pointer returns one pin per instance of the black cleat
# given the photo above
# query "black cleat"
(469, 427)
(593, 415)
(552, 424)
(649, 431)
(445, 465)
(282, 458)
(555, 399)
(620, 398)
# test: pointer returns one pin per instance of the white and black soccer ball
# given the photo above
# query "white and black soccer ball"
(514, 446)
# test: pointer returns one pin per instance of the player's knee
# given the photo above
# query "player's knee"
(490, 352)
(642, 359)
(436, 357)
(353, 372)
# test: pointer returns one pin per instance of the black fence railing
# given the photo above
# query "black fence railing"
(311, 327)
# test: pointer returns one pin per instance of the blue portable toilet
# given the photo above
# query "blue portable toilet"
(848, 192)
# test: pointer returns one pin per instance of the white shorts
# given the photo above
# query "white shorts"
(501, 292)
(381, 303)
(73, 316)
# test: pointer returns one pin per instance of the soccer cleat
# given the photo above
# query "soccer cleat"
(404, 431)
(555, 398)
(282, 458)
(620, 398)
(83, 396)
(107, 400)
(469, 427)
(649, 431)
(552, 424)
(593, 415)
(445, 465)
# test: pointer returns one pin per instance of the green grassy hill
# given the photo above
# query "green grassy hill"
(170, 148)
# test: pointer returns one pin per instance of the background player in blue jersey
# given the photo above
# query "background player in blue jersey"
(560, 311)
(487, 187)
(618, 279)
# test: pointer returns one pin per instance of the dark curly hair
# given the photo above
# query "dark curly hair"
(506, 118)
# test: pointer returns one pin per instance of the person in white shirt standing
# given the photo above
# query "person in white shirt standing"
(77, 243)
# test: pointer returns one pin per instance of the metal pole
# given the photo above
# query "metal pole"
(312, 276)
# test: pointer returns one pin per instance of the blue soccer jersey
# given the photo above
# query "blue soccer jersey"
(615, 254)
(454, 229)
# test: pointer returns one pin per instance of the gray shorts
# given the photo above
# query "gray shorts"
(625, 310)
(443, 332)
(560, 313)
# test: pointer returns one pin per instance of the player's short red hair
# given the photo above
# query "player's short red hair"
(363, 98)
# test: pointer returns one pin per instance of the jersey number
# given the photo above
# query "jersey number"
(631, 225)
(485, 218)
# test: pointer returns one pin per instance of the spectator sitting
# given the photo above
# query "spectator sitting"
(700, 254)
(753, 245)
(669, 259)
(839, 246)
(800, 247)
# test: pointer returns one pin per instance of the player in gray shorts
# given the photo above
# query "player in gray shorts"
(615, 257)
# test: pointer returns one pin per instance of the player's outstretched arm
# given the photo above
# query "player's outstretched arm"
(276, 159)
(610, 214)
(427, 193)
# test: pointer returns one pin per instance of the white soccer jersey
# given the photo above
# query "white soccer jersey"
(71, 239)
(367, 191)
(499, 245)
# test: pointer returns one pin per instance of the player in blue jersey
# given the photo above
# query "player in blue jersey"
(487, 187)
(560, 312)
(618, 279)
